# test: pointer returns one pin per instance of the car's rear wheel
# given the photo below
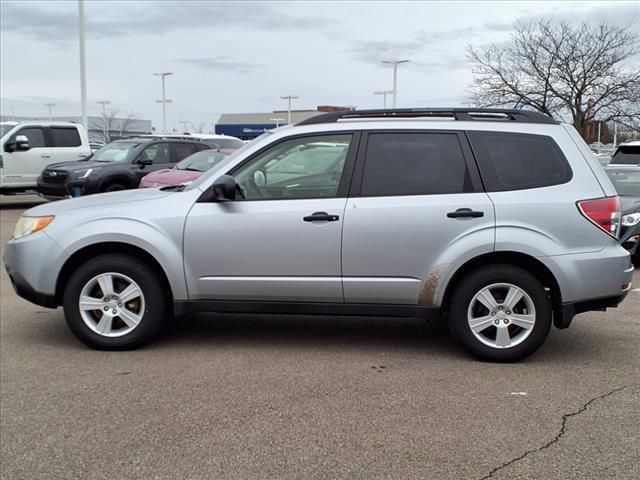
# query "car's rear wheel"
(114, 302)
(500, 313)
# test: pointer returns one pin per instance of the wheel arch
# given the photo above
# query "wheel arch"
(103, 248)
(517, 259)
(121, 178)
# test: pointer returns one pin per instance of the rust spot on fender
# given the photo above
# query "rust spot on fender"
(429, 290)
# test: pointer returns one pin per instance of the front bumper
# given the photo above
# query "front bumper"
(70, 188)
(33, 263)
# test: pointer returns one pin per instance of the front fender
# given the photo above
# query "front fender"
(161, 244)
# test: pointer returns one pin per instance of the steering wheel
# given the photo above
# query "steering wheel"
(252, 189)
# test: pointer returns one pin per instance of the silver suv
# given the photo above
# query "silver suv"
(501, 221)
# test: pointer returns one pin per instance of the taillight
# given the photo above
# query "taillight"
(603, 212)
(1, 162)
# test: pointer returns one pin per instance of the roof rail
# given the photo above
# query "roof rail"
(168, 136)
(463, 114)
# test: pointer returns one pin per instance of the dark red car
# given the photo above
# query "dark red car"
(187, 170)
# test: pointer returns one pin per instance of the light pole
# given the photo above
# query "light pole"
(289, 97)
(385, 93)
(277, 120)
(185, 124)
(164, 100)
(83, 67)
(50, 105)
(104, 104)
(395, 64)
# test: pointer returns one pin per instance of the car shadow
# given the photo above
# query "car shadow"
(307, 331)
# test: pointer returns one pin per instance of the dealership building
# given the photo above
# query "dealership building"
(249, 125)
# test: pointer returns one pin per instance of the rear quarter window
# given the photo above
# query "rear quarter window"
(65, 137)
(516, 161)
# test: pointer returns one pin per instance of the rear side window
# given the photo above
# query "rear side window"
(65, 137)
(414, 164)
(627, 155)
(516, 161)
(183, 150)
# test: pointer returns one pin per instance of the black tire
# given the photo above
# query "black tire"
(114, 187)
(155, 303)
(493, 274)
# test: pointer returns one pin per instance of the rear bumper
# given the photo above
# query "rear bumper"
(570, 310)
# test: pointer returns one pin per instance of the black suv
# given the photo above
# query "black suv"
(117, 166)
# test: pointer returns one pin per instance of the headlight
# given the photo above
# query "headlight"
(28, 225)
(83, 173)
(630, 219)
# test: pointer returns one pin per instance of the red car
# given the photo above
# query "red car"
(187, 170)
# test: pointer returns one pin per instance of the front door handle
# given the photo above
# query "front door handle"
(321, 216)
(465, 213)
(44, 155)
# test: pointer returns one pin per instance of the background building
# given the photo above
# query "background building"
(249, 125)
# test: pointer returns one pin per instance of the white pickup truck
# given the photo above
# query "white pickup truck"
(26, 148)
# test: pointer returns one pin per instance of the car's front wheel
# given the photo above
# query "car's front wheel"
(500, 313)
(114, 302)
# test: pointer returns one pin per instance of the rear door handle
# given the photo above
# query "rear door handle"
(321, 216)
(465, 213)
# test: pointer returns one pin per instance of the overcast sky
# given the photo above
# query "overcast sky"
(232, 57)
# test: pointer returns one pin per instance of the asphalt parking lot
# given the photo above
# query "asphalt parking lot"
(258, 396)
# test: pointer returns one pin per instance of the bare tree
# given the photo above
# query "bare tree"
(111, 126)
(576, 73)
(200, 127)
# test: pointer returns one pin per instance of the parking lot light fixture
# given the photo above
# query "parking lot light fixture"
(50, 106)
(164, 100)
(395, 64)
(289, 98)
(277, 121)
(385, 93)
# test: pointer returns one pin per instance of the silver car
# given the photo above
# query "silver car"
(501, 221)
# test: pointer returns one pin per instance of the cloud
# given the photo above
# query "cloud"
(39, 22)
(220, 63)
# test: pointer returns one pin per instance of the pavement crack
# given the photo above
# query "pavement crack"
(560, 433)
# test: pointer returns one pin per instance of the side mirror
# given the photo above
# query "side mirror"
(21, 143)
(224, 189)
(145, 162)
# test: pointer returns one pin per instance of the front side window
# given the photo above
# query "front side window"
(65, 137)
(414, 164)
(35, 135)
(307, 167)
(158, 153)
(517, 161)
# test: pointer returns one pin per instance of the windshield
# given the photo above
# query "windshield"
(203, 179)
(627, 155)
(626, 182)
(114, 152)
(5, 128)
(201, 161)
(228, 142)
